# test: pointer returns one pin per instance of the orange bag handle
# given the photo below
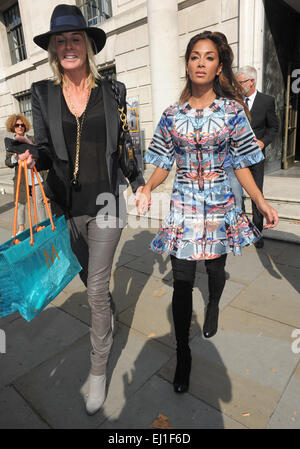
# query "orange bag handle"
(23, 165)
(34, 170)
(33, 197)
(17, 198)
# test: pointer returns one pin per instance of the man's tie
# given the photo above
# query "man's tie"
(247, 101)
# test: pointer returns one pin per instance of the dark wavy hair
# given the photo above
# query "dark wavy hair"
(226, 84)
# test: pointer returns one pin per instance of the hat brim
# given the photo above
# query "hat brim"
(97, 35)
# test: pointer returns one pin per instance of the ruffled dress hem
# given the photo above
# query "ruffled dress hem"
(238, 231)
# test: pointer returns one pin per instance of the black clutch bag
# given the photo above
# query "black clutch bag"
(15, 146)
(126, 156)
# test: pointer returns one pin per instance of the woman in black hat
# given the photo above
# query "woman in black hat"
(76, 124)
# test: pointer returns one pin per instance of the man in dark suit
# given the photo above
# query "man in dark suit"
(265, 126)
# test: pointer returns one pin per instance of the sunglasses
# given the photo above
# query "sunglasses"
(19, 124)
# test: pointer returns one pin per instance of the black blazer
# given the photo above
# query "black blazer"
(264, 121)
(49, 137)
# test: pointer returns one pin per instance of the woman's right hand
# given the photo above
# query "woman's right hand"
(143, 199)
(28, 156)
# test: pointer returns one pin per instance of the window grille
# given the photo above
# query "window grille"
(95, 11)
(14, 29)
(24, 100)
(107, 71)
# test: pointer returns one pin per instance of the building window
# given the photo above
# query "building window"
(109, 70)
(95, 11)
(24, 100)
(12, 20)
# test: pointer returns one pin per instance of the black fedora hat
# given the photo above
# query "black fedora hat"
(70, 18)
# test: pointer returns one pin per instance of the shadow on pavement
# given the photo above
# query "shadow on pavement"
(6, 207)
(157, 395)
(284, 260)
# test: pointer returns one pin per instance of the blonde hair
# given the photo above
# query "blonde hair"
(12, 120)
(58, 70)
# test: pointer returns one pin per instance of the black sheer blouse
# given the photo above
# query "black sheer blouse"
(93, 173)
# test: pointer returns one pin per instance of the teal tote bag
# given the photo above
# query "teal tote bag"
(36, 265)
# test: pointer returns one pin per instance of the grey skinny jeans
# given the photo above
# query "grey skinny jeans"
(40, 207)
(95, 248)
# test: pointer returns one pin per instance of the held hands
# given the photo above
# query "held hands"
(269, 213)
(143, 199)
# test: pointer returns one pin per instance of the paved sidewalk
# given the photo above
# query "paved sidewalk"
(247, 376)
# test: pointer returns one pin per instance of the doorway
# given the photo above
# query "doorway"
(297, 153)
(281, 50)
(291, 117)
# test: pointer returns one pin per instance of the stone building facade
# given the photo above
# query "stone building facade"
(146, 42)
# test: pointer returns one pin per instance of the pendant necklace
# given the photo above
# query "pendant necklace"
(79, 125)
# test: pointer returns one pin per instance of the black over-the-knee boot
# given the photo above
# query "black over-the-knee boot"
(215, 269)
(182, 306)
(182, 314)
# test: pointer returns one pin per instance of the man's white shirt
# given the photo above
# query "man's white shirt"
(251, 100)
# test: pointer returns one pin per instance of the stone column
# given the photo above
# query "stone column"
(251, 36)
(164, 54)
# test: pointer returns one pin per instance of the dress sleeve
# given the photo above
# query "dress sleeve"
(243, 149)
(161, 152)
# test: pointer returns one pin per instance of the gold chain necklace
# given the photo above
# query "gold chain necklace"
(74, 182)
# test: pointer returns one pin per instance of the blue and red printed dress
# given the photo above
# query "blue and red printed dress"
(203, 222)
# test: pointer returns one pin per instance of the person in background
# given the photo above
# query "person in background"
(19, 125)
(236, 187)
(265, 125)
(204, 223)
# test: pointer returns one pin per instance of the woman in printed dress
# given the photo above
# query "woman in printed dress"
(210, 121)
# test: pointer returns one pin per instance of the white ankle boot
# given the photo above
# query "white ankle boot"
(97, 393)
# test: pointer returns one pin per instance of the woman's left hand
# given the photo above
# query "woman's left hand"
(269, 213)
